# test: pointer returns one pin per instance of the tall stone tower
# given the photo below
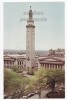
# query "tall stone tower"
(30, 40)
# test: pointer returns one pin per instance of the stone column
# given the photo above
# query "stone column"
(49, 66)
(58, 66)
(61, 66)
(45, 65)
(54, 66)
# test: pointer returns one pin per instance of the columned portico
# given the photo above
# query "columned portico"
(52, 65)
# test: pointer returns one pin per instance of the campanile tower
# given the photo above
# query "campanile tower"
(30, 40)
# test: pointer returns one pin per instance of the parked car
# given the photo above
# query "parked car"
(36, 92)
(24, 97)
(31, 94)
(10, 97)
(5, 96)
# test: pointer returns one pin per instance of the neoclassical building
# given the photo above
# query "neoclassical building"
(47, 62)
(14, 60)
(52, 62)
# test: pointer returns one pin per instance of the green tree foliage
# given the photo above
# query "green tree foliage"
(30, 71)
(55, 76)
(43, 77)
(15, 68)
(41, 80)
(13, 82)
(37, 82)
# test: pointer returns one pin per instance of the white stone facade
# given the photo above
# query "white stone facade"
(20, 61)
(30, 41)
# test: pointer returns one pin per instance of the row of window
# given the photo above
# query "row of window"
(8, 66)
(20, 62)
(8, 62)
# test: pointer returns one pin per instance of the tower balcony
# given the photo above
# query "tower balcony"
(30, 25)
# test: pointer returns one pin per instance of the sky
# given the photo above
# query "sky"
(49, 21)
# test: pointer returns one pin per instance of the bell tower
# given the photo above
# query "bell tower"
(30, 40)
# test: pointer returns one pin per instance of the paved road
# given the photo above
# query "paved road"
(36, 96)
(43, 95)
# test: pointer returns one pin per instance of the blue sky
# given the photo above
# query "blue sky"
(48, 34)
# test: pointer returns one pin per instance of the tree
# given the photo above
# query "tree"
(37, 82)
(41, 80)
(33, 83)
(30, 71)
(13, 82)
(15, 69)
(54, 76)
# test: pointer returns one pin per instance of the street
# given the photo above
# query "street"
(43, 95)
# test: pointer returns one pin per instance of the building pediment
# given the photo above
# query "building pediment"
(51, 59)
(6, 57)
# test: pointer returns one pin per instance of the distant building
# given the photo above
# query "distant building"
(48, 62)
(52, 62)
(58, 52)
(51, 52)
(11, 61)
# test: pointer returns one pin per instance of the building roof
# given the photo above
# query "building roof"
(15, 56)
(46, 62)
(51, 60)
